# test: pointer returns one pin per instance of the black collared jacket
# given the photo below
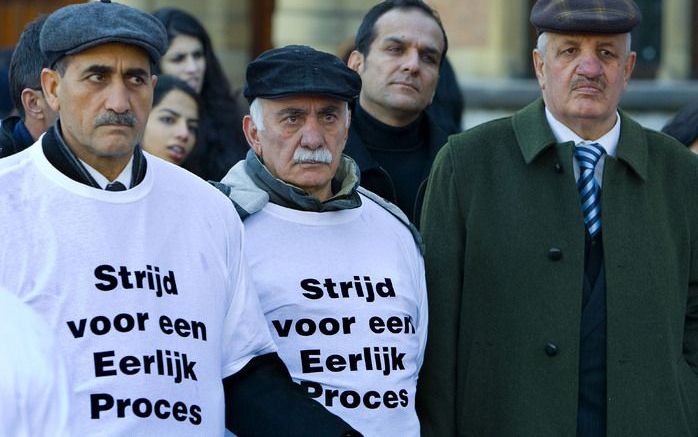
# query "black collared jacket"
(376, 179)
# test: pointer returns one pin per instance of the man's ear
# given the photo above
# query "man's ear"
(356, 60)
(153, 81)
(31, 103)
(538, 64)
(252, 135)
(50, 84)
(629, 66)
(346, 131)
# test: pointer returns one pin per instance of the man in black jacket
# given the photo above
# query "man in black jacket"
(35, 116)
(399, 49)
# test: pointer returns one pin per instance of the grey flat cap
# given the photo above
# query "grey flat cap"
(585, 16)
(75, 28)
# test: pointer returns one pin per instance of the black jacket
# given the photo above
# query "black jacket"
(14, 137)
(376, 179)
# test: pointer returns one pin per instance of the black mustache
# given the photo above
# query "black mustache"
(110, 118)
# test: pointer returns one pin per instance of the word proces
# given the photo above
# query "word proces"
(372, 399)
(101, 403)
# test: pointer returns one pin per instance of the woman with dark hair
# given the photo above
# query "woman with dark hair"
(190, 57)
(684, 126)
(173, 123)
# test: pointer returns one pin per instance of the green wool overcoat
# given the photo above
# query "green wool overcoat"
(504, 238)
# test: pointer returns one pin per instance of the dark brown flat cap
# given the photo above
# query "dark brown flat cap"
(585, 16)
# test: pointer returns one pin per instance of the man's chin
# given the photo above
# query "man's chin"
(408, 104)
(316, 177)
(114, 149)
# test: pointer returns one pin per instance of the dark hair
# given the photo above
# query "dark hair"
(684, 125)
(222, 142)
(167, 83)
(367, 30)
(26, 63)
(5, 99)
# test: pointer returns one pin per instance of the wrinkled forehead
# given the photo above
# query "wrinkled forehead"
(594, 38)
(306, 102)
(114, 56)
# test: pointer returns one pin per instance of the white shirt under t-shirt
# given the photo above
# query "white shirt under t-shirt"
(345, 298)
(145, 289)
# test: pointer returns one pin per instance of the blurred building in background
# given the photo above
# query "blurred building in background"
(490, 43)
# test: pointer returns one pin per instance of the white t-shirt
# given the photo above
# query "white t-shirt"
(145, 289)
(345, 298)
(33, 383)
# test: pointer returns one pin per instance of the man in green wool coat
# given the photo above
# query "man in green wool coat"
(562, 255)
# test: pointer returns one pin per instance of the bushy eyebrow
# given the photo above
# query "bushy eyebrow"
(98, 69)
(107, 70)
(329, 109)
(291, 111)
(137, 72)
(299, 112)
(429, 49)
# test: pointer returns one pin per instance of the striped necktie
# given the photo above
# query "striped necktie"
(588, 155)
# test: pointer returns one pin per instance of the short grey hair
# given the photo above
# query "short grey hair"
(257, 114)
(542, 43)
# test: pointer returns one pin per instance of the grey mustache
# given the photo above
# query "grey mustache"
(321, 155)
(126, 119)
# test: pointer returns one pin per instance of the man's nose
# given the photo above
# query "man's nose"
(590, 66)
(312, 137)
(410, 61)
(118, 98)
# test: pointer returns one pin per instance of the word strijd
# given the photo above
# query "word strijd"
(314, 289)
(150, 279)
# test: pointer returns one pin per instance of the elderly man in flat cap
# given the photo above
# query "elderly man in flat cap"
(562, 255)
(339, 270)
(137, 264)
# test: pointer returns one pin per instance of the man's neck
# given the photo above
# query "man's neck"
(35, 127)
(388, 116)
(109, 166)
(322, 193)
(589, 129)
